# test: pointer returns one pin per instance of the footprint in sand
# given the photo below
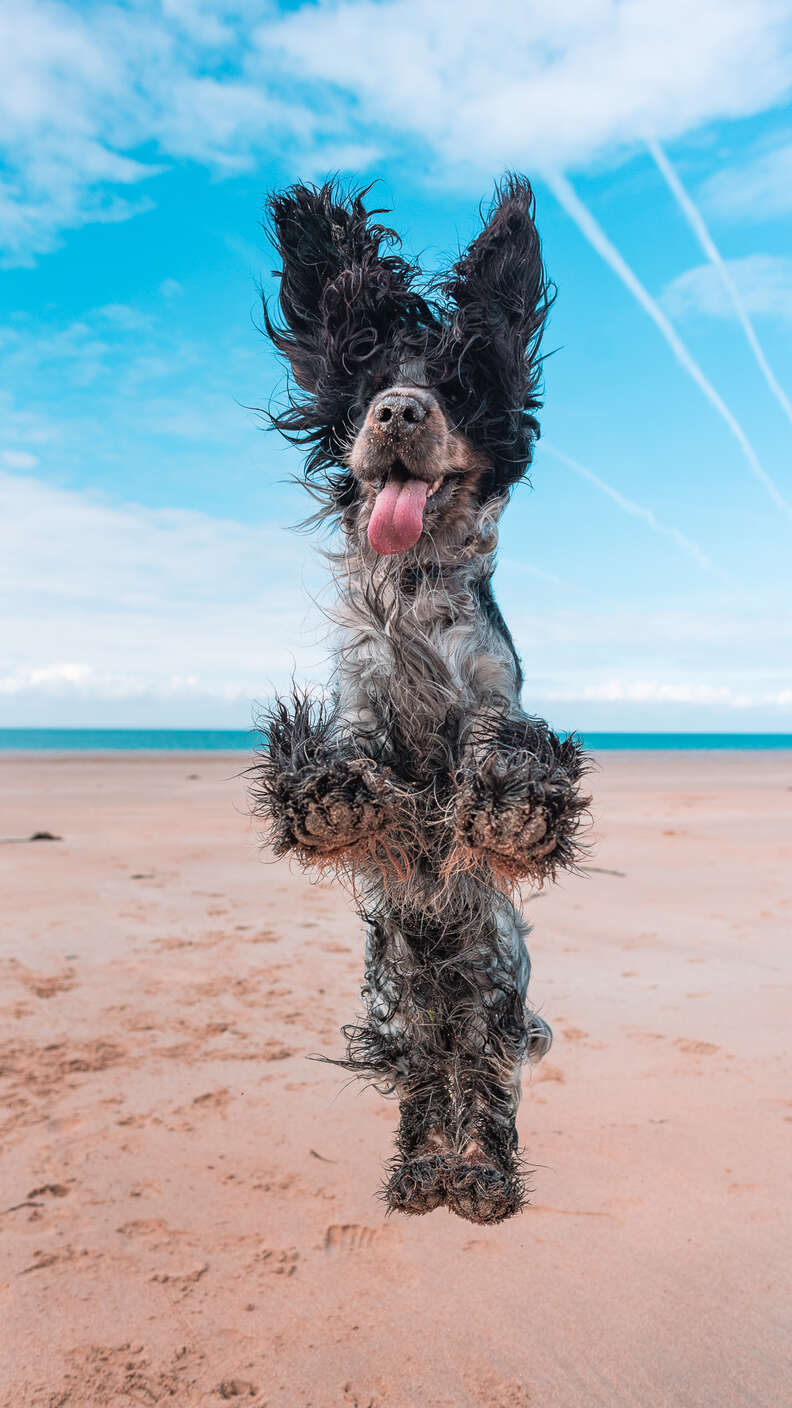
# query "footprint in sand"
(123, 1374)
(150, 1227)
(237, 1388)
(272, 1181)
(279, 1263)
(344, 1237)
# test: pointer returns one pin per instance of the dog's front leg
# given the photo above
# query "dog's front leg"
(323, 798)
(518, 804)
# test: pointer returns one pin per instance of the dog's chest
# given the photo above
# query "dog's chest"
(425, 654)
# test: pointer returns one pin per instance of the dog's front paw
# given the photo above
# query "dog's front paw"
(335, 809)
(519, 817)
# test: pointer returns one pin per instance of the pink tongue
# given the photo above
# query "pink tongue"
(397, 519)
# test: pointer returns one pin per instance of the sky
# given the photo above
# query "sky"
(149, 572)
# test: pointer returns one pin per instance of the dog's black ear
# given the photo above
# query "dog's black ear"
(349, 312)
(486, 365)
(320, 236)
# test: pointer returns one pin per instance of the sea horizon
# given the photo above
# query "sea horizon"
(208, 740)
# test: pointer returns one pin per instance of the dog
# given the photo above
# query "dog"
(417, 776)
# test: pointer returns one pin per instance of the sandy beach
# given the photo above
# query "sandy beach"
(188, 1202)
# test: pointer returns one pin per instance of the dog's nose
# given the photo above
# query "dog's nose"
(399, 412)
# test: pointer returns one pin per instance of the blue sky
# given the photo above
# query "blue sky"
(148, 574)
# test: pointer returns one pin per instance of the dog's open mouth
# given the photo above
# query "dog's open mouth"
(396, 521)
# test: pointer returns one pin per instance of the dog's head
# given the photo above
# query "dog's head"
(416, 406)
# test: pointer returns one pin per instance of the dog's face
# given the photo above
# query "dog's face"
(417, 409)
(414, 473)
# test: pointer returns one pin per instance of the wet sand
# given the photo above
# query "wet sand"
(188, 1213)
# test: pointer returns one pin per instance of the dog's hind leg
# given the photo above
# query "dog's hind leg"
(447, 1029)
(401, 1046)
(495, 1033)
(419, 1169)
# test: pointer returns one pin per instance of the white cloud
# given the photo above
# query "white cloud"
(46, 677)
(110, 601)
(539, 85)
(87, 682)
(18, 459)
(119, 613)
(81, 91)
(84, 90)
(758, 189)
(61, 545)
(653, 691)
(763, 281)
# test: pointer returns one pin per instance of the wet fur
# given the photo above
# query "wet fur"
(417, 777)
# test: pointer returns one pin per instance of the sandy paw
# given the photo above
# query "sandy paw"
(484, 1193)
(502, 815)
(417, 1185)
(333, 810)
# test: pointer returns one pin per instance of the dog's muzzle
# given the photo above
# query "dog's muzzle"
(400, 435)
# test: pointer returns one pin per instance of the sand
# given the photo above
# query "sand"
(188, 1213)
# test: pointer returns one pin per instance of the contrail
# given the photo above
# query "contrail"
(594, 233)
(629, 506)
(695, 220)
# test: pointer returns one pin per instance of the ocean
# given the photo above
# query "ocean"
(183, 740)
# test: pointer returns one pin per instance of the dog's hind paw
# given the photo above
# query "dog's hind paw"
(483, 1192)
(417, 1185)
